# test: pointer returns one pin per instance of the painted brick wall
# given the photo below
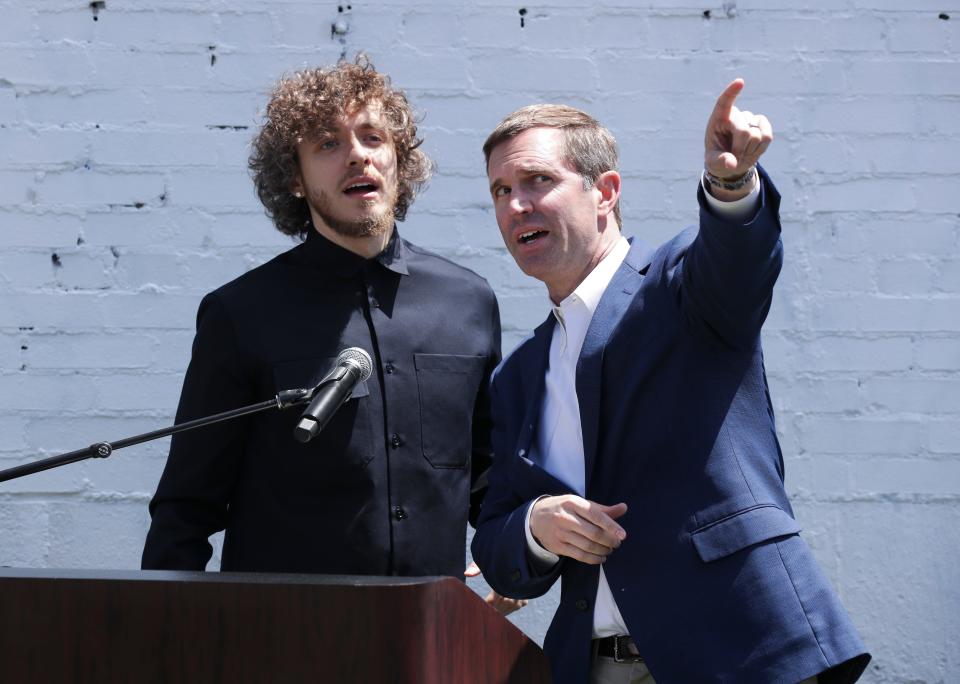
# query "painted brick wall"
(124, 197)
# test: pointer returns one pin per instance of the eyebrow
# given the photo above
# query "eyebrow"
(525, 170)
(365, 126)
(533, 169)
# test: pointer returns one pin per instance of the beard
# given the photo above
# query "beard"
(371, 225)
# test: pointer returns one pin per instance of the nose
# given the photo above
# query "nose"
(520, 204)
(359, 154)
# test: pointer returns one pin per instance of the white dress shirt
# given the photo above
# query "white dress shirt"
(559, 440)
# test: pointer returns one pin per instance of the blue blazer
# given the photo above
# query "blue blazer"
(713, 580)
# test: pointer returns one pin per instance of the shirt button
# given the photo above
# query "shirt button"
(395, 441)
(389, 368)
(582, 605)
(399, 513)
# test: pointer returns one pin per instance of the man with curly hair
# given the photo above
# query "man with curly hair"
(386, 487)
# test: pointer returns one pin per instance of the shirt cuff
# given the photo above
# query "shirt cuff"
(533, 545)
(737, 211)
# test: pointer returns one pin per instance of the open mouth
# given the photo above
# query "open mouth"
(530, 236)
(362, 187)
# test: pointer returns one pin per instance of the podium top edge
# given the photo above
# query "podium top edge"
(214, 577)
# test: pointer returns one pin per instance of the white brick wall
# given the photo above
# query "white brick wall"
(123, 139)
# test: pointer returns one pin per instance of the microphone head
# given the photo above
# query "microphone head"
(359, 358)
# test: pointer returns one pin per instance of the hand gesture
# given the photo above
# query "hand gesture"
(572, 526)
(735, 139)
(501, 604)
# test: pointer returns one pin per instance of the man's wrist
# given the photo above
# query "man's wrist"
(735, 207)
(536, 549)
(731, 183)
(721, 197)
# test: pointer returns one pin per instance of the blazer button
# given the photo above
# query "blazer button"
(395, 441)
(515, 575)
(582, 605)
(388, 368)
(399, 513)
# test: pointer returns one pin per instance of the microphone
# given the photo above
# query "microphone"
(353, 366)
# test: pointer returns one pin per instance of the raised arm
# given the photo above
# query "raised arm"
(729, 270)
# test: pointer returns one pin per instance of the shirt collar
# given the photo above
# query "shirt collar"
(394, 255)
(595, 284)
(319, 252)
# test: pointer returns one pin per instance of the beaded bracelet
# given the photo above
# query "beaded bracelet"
(731, 183)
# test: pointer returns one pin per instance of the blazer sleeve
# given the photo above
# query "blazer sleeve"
(500, 544)
(729, 270)
(192, 497)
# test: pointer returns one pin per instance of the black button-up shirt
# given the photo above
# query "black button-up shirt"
(385, 487)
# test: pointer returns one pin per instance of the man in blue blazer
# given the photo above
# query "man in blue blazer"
(636, 453)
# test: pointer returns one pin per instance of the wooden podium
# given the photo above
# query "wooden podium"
(172, 627)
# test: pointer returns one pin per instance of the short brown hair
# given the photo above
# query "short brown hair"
(305, 104)
(588, 146)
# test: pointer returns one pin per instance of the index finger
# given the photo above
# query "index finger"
(727, 98)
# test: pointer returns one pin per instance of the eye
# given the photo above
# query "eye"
(501, 191)
(542, 178)
(327, 144)
(375, 138)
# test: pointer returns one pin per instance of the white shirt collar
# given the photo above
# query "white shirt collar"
(595, 284)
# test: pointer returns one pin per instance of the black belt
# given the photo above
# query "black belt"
(620, 648)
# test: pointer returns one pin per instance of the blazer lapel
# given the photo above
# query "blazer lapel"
(533, 380)
(614, 302)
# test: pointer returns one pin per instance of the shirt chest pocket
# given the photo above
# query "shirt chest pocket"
(448, 385)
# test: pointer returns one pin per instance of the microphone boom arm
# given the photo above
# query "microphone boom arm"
(283, 400)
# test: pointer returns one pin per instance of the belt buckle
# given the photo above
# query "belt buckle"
(616, 650)
(617, 658)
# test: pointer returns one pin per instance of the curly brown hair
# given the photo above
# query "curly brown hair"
(305, 105)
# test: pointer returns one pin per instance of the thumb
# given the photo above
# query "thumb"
(724, 161)
(616, 510)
